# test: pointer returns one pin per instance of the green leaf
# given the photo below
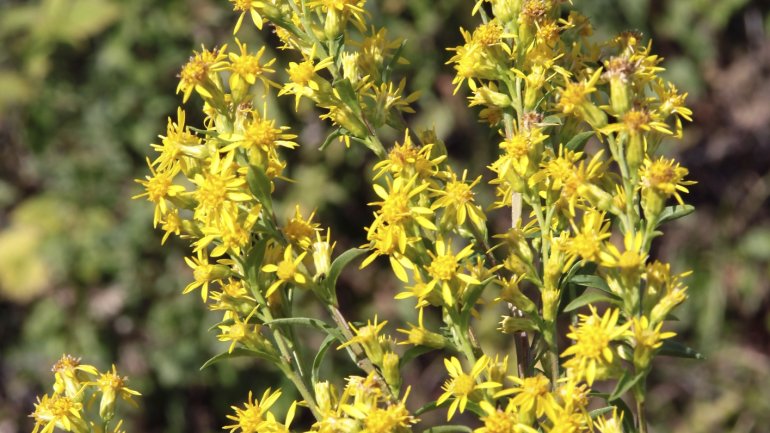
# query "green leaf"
(601, 411)
(625, 383)
(414, 352)
(254, 259)
(345, 89)
(239, 352)
(591, 297)
(591, 281)
(679, 350)
(552, 120)
(472, 295)
(338, 265)
(671, 213)
(335, 134)
(578, 142)
(319, 357)
(388, 69)
(259, 184)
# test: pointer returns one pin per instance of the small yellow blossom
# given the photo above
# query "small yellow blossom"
(286, 270)
(463, 387)
(592, 352)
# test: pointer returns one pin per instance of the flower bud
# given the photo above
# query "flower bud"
(550, 298)
(390, 370)
(510, 325)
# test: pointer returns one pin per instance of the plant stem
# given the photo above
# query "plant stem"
(641, 418)
(360, 356)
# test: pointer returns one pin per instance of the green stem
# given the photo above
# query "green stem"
(358, 351)
(286, 365)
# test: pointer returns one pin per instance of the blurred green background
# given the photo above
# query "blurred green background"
(86, 85)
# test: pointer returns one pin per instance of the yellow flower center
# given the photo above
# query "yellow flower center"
(630, 260)
(157, 187)
(635, 120)
(241, 5)
(246, 65)
(262, 134)
(396, 207)
(488, 34)
(463, 385)
(286, 270)
(500, 422)
(302, 73)
(443, 267)
(212, 193)
(459, 193)
(194, 72)
(203, 272)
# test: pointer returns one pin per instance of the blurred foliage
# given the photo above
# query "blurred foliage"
(85, 85)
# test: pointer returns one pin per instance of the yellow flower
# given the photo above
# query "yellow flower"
(398, 202)
(628, 262)
(159, 187)
(205, 273)
(389, 240)
(246, 68)
(299, 231)
(462, 387)
(251, 417)
(646, 339)
(111, 385)
(665, 177)
(574, 98)
(286, 270)
(304, 79)
(444, 270)
(505, 420)
(613, 424)
(592, 352)
(259, 133)
(58, 411)
(217, 186)
(197, 74)
(587, 240)
(239, 331)
(176, 144)
(532, 396)
(369, 338)
(407, 160)
(419, 336)
(456, 198)
(342, 10)
(253, 8)
(70, 376)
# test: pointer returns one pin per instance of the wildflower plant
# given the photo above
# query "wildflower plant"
(83, 399)
(579, 177)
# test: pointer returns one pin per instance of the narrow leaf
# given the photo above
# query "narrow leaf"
(599, 412)
(414, 352)
(625, 383)
(339, 264)
(679, 350)
(671, 213)
(239, 352)
(591, 297)
(259, 184)
(319, 357)
(591, 281)
(577, 143)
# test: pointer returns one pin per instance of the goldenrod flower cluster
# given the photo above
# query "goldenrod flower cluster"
(580, 125)
(70, 407)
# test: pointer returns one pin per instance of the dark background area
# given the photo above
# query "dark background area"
(86, 85)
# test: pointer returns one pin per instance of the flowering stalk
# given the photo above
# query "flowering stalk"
(581, 124)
